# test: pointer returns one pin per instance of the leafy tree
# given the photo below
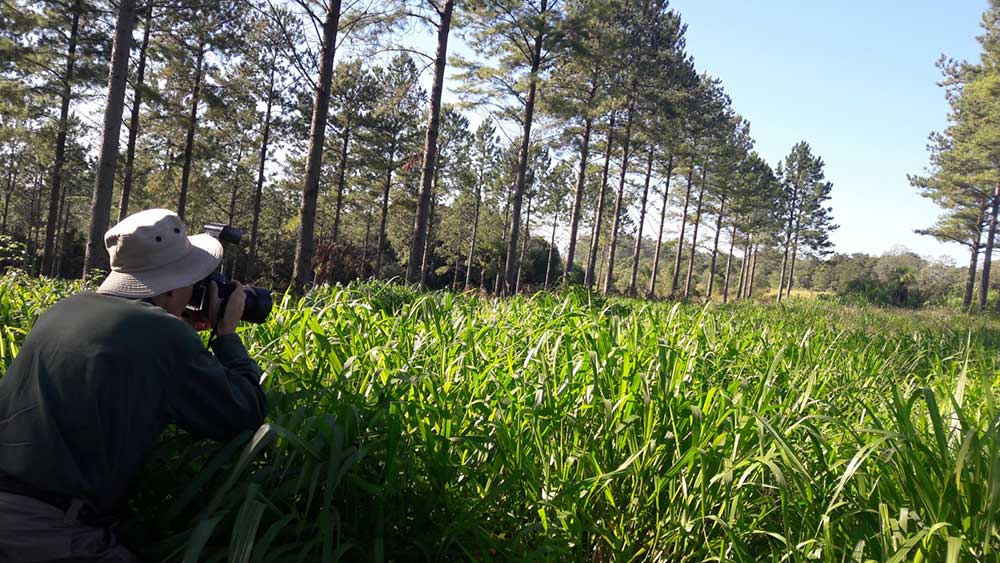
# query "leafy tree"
(305, 245)
(100, 209)
(808, 220)
(520, 40)
(389, 142)
(440, 19)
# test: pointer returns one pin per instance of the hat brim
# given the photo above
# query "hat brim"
(201, 260)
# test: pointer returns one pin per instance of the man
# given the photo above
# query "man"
(99, 377)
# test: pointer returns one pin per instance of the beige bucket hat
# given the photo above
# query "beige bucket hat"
(151, 254)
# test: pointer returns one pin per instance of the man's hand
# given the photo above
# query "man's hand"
(206, 318)
(234, 308)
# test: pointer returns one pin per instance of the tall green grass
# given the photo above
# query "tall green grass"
(564, 427)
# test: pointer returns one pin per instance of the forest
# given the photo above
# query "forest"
(580, 144)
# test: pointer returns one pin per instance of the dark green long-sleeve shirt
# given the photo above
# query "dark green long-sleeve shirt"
(98, 379)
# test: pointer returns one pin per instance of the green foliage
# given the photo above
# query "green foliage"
(567, 427)
(13, 253)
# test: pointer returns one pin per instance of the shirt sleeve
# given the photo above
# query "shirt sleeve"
(217, 395)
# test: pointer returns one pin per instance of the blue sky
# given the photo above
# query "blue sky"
(856, 80)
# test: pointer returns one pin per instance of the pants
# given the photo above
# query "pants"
(32, 531)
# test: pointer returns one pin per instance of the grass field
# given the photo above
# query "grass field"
(564, 427)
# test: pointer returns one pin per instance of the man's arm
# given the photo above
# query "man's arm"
(217, 396)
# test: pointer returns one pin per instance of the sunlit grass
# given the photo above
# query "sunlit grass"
(408, 426)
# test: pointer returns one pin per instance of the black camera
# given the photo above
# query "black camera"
(258, 302)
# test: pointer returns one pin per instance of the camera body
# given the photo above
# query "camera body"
(258, 302)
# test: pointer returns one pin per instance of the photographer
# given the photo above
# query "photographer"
(100, 376)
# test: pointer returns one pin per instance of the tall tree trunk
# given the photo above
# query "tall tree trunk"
(791, 269)
(133, 128)
(694, 234)
(192, 125)
(96, 255)
(753, 270)
(512, 268)
(984, 285)
(642, 222)
(787, 245)
(368, 236)
(977, 241)
(552, 246)
(595, 236)
(659, 236)
(380, 247)
(305, 246)
(609, 274)
(251, 269)
(35, 228)
(341, 181)
(475, 228)
(60, 157)
(506, 225)
(715, 246)
(524, 246)
(744, 268)
(680, 238)
(729, 265)
(425, 262)
(581, 181)
(60, 235)
(11, 181)
(417, 243)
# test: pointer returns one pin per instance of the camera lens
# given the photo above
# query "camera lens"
(258, 305)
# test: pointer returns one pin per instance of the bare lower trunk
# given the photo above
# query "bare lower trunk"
(753, 271)
(380, 246)
(524, 246)
(694, 234)
(680, 237)
(60, 156)
(364, 248)
(715, 247)
(789, 231)
(984, 285)
(428, 170)
(578, 195)
(11, 182)
(642, 220)
(506, 225)
(341, 182)
(659, 236)
(729, 266)
(60, 235)
(744, 269)
(552, 247)
(970, 281)
(425, 262)
(475, 231)
(305, 246)
(791, 269)
(595, 235)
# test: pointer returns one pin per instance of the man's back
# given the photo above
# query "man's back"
(95, 383)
